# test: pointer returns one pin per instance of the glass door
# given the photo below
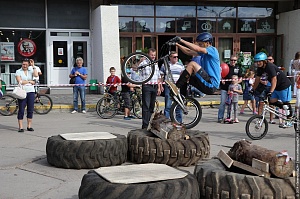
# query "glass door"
(225, 48)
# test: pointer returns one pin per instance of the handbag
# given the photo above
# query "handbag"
(72, 80)
(19, 92)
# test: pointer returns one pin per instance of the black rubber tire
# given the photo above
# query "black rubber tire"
(8, 105)
(189, 123)
(215, 182)
(127, 65)
(90, 154)
(145, 147)
(252, 123)
(94, 186)
(44, 106)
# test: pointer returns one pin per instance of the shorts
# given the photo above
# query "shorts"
(201, 80)
(284, 95)
(127, 100)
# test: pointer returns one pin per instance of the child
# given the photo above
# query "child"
(246, 95)
(112, 81)
(234, 90)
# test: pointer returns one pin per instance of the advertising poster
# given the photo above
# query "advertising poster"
(247, 59)
(7, 51)
(26, 47)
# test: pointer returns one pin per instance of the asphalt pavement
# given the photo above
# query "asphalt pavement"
(25, 172)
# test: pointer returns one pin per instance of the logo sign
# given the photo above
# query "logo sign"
(206, 26)
(26, 47)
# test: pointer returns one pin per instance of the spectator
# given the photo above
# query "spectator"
(233, 70)
(234, 90)
(113, 81)
(296, 68)
(24, 77)
(81, 74)
(249, 81)
(297, 105)
(176, 69)
(150, 90)
(31, 65)
(126, 88)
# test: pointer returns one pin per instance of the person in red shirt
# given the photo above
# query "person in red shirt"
(112, 81)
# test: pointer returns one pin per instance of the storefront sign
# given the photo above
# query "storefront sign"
(227, 54)
(26, 47)
(7, 51)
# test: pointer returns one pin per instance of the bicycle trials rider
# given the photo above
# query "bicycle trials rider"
(280, 83)
(205, 75)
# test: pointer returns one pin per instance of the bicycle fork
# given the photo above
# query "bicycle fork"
(179, 99)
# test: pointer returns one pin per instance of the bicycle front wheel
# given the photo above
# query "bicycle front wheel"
(106, 107)
(137, 108)
(138, 68)
(190, 118)
(43, 104)
(8, 105)
(256, 127)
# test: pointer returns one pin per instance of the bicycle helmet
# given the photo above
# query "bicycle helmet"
(205, 36)
(261, 56)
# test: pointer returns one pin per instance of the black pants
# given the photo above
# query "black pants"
(149, 93)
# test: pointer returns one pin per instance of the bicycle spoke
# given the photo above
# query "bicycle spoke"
(43, 104)
(8, 105)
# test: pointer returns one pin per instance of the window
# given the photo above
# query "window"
(255, 12)
(216, 11)
(144, 24)
(246, 26)
(187, 25)
(165, 24)
(136, 10)
(226, 25)
(176, 11)
(125, 24)
(206, 25)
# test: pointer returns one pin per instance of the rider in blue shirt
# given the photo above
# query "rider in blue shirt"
(204, 74)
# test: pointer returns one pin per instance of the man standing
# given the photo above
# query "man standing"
(176, 68)
(233, 70)
(280, 91)
(31, 63)
(150, 90)
(81, 74)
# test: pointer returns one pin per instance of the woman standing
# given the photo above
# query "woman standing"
(296, 70)
(24, 77)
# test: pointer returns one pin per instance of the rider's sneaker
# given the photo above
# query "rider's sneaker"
(282, 125)
(173, 87)
(289, 124)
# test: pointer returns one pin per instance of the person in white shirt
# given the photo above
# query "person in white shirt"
(31, 65)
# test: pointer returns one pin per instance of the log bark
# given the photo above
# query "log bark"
(280, 164)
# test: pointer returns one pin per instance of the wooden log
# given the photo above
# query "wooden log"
(280, 164)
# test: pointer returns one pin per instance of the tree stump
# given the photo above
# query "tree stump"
(280, 163)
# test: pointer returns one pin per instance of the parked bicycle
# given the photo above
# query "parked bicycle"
(257, 126)
(192, 111)
(108, 106)
(42, 104)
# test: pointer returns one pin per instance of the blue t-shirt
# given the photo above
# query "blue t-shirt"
(211, 64)
(81, 70)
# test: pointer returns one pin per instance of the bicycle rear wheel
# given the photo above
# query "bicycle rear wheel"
(137, 108)
(189, 119)
(106, 107)
(257, 127)
(135, 66)
(43, 104)
(8, 105)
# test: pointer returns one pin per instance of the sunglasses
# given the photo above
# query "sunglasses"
(175, 57)
(233, 60)
(270, 59)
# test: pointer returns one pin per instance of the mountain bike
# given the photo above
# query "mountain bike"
(191, 108)
(108, 106)
(257, 126)
(42, 104)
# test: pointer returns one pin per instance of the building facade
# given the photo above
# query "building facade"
(56, 32)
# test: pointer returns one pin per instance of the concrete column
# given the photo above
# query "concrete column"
(105, 42)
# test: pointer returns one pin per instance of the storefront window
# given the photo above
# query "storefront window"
(206, 25)
(144, 24)
(226, 25)
(125, 46)
(265, 43)
(176, 11)
(216, 11)
(255, 12)
(125, 24)
(186, 25)
(266, 25)
(246, 25)
(136, 10)
(165, 24)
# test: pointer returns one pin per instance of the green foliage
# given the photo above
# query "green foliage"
(240, 60)
(145, 50)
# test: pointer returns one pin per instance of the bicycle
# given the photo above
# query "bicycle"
(260, 124)
(42, 104)
(108, 106)
(191, 108)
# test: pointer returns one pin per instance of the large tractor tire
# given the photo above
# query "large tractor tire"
(145, 147)
(89, 154)
(216, 182)
(94, 186)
